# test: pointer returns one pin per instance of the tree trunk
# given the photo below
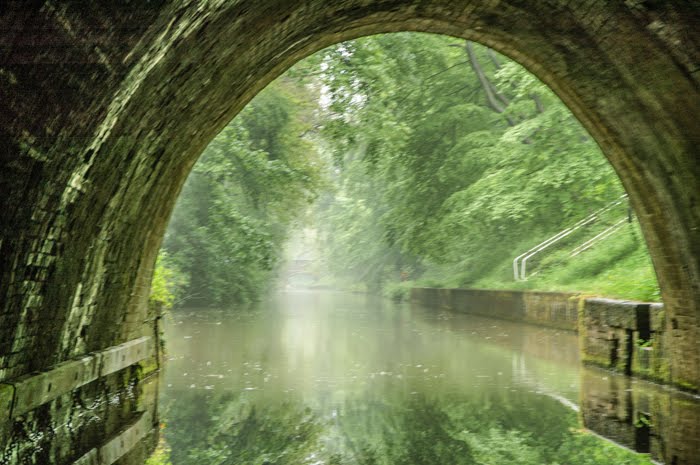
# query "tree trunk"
(496, 101)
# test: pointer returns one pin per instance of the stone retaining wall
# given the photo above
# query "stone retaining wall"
(628, 337)
(624, 336)
(552, 309)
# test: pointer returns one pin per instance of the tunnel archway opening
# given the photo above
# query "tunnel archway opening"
(336, 88)
(100, 134)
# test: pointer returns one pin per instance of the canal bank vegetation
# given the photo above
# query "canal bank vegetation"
(250, 186)
(432, 162)
(450, 161)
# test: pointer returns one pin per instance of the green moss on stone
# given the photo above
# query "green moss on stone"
(7, 394)
(595, 360)
(686, 385)
(148, 366)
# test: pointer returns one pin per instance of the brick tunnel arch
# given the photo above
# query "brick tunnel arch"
(104, 111)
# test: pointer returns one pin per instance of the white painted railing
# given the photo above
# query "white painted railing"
(520, 262)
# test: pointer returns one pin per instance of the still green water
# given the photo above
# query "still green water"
(333, 378)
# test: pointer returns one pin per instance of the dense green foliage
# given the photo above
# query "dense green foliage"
(243, 196)
(169, 282)
(451, 160)
(446, 159)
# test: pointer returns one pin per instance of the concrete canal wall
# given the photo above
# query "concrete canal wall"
(624, 336)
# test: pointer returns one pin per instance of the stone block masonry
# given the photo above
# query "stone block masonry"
(551, 309)
(104, 111)
(624, 336)
(628, 337)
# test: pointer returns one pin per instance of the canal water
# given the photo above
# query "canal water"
(335, 378)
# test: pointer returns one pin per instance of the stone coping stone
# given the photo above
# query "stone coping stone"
(612, 313)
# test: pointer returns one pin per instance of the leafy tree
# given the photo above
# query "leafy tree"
(447, 160)
(169, 282)
(243, 196)
(451, 159)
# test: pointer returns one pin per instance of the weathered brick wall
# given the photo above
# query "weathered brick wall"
(61, 293)
(104, 109)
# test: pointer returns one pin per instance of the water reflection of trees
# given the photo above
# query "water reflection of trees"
(227, 429)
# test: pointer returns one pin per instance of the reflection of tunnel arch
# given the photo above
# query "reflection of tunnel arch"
(104, 112)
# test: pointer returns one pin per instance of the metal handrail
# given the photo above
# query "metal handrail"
(599, 237)
(520, 276)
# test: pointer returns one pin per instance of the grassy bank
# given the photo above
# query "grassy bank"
(618, 267)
